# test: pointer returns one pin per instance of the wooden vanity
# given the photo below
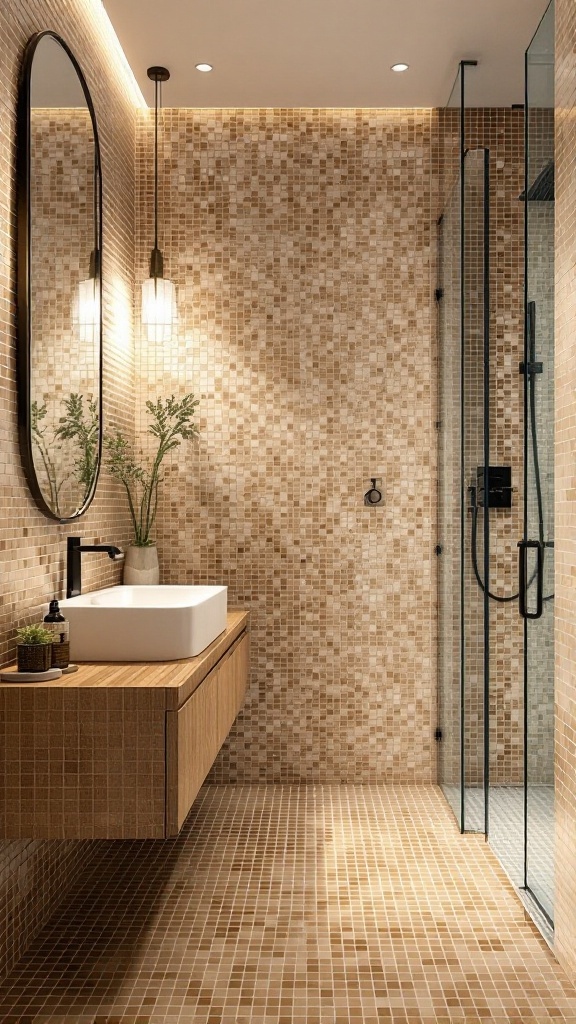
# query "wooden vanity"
(118, 751)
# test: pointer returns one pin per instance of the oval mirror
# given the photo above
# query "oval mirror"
(59, 281)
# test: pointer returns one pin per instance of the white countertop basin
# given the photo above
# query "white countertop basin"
(145, 623)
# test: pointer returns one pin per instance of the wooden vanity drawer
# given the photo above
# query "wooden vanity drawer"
(197, 730)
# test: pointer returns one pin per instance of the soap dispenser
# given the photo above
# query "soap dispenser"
(57, 624)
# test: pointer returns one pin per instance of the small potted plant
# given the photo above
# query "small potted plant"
(34, 646)
(171, 421)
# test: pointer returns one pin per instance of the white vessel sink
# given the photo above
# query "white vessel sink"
(145, 623)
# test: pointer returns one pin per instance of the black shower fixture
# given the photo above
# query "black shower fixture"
(499, 487)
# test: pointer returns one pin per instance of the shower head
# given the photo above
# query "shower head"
(542, 188)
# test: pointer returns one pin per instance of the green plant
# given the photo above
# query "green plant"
(32, 636)
(81, 426)
(172, 421)
(45, 447)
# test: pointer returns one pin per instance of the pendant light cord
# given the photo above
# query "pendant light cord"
(157, 75)
(156, 100)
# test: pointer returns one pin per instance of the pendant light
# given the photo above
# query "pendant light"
(158, 295)
(88, 315)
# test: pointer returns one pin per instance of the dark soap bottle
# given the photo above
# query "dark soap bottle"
(57, 624)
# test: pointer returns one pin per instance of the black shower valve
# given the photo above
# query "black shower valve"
(499, 487)
(373, 495)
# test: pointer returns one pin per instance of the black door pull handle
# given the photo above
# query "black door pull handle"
(523, 546)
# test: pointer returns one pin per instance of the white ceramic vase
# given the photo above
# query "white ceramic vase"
(141, 566)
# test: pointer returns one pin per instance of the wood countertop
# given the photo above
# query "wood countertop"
(178, 679)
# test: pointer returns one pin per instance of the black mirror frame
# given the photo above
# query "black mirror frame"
(23, 267)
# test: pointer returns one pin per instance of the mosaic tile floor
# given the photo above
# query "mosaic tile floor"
(294, 905)
(507, 832)
(507, 837)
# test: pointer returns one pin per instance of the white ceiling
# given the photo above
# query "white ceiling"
(327, 53)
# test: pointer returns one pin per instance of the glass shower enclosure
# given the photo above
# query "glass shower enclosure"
(463, 426)
(495, 490)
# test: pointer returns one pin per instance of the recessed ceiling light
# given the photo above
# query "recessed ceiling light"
(399, 67)
(204, 67)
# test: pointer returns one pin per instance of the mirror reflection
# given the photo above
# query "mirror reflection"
(64, 285)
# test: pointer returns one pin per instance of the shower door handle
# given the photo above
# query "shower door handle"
(523, 584)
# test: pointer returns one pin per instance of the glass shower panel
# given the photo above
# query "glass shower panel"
(449, 549)
(462, 437)
(449, 489)
(506, 774)
(539, 464)
(475, 518)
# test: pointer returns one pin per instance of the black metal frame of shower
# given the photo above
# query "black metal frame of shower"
(530, 368)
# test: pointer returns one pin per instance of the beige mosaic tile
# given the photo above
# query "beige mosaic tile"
(34, 876)
(301, 243)
(295, 905)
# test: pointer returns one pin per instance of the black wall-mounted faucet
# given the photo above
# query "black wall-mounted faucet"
(74, 562)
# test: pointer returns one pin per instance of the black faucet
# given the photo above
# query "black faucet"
(74, 562)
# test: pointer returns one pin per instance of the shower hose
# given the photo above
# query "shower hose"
(539, 501)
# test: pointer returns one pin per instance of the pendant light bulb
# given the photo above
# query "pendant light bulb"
(86, 314)
(159, 310)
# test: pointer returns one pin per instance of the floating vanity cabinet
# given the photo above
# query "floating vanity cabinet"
(195, 733)
(118, 751)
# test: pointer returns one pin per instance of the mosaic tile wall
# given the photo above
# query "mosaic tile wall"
(502, 132)
(565, 485)
(34, 876)
(302, 243)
